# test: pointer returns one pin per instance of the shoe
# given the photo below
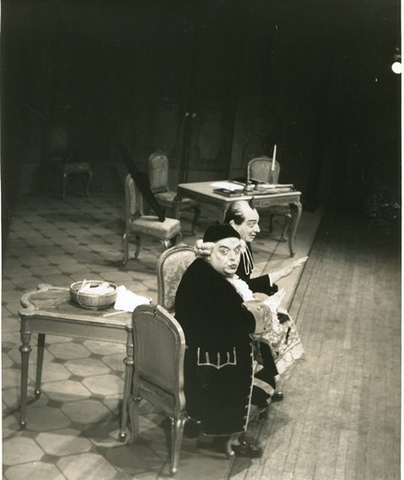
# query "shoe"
(246, 449)
(277, 397)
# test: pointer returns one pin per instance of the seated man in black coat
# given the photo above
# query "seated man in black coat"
(217, 323)
(244, 218)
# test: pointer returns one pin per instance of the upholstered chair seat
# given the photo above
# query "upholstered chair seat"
(148, 225)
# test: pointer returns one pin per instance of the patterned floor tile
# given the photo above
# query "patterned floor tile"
(33, 471)
(63, 442)
(20, 450)
(86, 411)
(90, 466)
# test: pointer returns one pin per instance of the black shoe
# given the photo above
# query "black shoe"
(246, 449)
(277, 397)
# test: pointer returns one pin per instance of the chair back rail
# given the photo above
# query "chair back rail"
(159, 349)
(158, 172)
(260, 168)
(171, 266)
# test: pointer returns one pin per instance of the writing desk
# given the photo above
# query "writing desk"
(50, 310)
(203, 193)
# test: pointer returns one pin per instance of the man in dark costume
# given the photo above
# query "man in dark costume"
(217, 323)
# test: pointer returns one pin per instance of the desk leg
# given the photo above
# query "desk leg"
(127, 388)
(177, 201)
(39, 364)
(296, 214)
(25, 350)
(222, 213)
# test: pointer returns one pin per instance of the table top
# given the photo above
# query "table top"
(55, 303)
(205, 189)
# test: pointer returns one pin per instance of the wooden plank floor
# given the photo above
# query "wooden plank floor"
(341, 415)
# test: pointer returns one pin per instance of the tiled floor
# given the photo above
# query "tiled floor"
(72, 429)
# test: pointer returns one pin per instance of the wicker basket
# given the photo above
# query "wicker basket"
(92, 300)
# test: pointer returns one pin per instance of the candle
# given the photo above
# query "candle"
(273, 159)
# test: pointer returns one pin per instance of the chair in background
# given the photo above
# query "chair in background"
(159, 349)
(260, 169)
(138, 225)
(158, 175)
(65, 160)
(171, 266)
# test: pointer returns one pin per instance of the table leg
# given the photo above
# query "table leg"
(39, 364)
(296, 209)
(25, 350)
(127, 389)
(177, 201)
(222, 213)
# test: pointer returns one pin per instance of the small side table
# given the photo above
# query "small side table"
(50, 310)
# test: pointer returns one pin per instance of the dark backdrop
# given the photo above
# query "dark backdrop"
(312, 76)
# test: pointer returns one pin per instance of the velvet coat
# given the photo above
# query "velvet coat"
(218, 360)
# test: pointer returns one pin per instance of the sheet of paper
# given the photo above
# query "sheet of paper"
(227, 185)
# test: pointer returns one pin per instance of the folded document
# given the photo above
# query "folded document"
(127, 300)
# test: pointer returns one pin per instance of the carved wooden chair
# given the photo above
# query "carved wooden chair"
(159, 349)
(171, 266)
(138, 225)
(260, 169)
(158, 175)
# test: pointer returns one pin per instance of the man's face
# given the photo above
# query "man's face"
(225, 256)
(249, 229)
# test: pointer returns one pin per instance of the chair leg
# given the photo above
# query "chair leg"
(127, 388)
(137, 251)
(90, 177)
(271, 228)
(288, 219)
(197, 212)
(64, 185)
(166, 244)
(125, 241)
(177, 429)
(39, 364)
(133, 410)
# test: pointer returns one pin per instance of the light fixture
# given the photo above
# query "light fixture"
(397, 66)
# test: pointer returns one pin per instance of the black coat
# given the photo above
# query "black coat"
(218, 360)
(257, 284)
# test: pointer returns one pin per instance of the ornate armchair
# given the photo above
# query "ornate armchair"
(158, 175)
(159, 346)
(260, 169)
(167, 232)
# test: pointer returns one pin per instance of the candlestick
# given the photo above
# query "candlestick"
(273, 159)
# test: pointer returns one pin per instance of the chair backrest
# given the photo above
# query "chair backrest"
(260, 168)
(159, 348)
(171, 266)
(157, 164)
(133, 199)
